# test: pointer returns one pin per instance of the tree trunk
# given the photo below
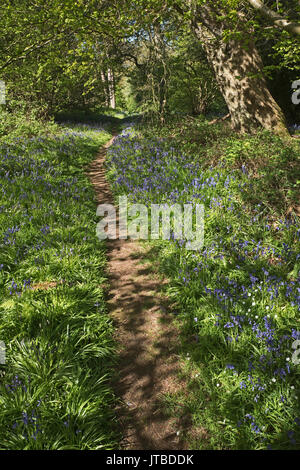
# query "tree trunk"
(162, 99)
(238, 71)
(105, 88)
(160, 57)
(111, 87)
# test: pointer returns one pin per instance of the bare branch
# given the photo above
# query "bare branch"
(214, 121)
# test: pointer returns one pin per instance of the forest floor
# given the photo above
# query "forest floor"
(148, 340)
(235, 302)
(144, 345)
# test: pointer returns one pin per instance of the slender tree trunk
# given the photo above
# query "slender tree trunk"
(162, 99)
(111, 87)
(160, 56)
(105, 88)
(238, 71)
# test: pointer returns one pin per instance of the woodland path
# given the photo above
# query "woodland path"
(148, 341)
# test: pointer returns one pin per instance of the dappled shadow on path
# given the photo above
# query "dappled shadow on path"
(148, 360)
(149, 363)
(97, 175)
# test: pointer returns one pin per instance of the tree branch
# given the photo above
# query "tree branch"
(278, 20)
(214, 121)
(29, 49)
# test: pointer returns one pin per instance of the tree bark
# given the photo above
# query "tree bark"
(238, 71)
(111, 87)
(160, 56)
(105, 88)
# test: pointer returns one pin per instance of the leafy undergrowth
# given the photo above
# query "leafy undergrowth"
(238, 298)
(54, 386)
(19, 124)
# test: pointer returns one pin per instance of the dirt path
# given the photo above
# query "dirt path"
(148, 342)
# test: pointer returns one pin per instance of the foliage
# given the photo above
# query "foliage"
(238, 297)
(54, 390)
(22, 123)
(56, 56)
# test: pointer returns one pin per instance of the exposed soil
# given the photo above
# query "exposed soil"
(148, 340)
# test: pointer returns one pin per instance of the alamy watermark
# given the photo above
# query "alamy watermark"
(2, 352)
(296, 94)
(296, 353)
(160, 221)
(2, 92)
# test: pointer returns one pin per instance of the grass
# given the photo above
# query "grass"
(236, 301)
(238, 297)
(106, 116)
(54, 388)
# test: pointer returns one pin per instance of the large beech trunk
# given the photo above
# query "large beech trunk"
(238, 71)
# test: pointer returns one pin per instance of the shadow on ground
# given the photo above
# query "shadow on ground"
(148, 341)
